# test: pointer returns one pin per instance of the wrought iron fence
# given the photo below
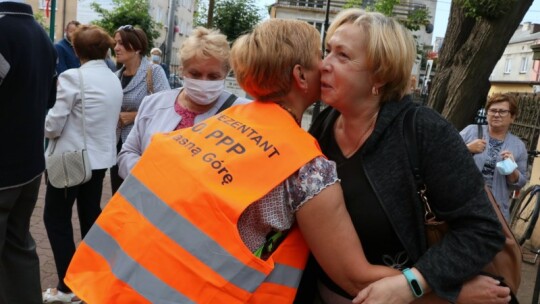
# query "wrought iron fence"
(527, 125)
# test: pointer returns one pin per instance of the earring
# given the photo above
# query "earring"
(375, 91)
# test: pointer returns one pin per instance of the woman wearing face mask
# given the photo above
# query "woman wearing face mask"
(139, 78)
(205, 64)
(155, 55)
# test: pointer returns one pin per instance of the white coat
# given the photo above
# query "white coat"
(103, 98)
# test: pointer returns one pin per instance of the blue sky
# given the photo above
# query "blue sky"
(442, 13)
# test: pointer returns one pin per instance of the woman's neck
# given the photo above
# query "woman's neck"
(132, 66)
(497, 133)
(296, 110)
(184, 101)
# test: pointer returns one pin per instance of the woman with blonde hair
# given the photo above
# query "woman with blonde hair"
(215, 213)
(204, 58)
(365, 80)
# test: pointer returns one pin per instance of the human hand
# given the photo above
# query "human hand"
(126, 118)
(483, 290)
(389, 290)
(507, 154)
(476, 146)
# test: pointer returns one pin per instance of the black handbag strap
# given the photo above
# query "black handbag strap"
(480, 131)
(227, 103)
(409, 134)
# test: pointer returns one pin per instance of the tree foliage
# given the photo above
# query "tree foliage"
(40, 18)
(475, 40)
(134, 12)
(232, 17)
(200, 16)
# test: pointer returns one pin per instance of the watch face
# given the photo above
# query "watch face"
(416, 288)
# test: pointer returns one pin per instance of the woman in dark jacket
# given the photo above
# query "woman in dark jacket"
(364, 79)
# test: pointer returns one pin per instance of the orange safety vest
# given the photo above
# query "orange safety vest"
(170, 234)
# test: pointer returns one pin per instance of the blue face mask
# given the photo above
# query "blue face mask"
(156, 58)
(506, 167)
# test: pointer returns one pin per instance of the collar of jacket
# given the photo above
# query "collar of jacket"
(389, 112)
(15, 8)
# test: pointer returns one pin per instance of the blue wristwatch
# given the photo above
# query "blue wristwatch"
(413, 283)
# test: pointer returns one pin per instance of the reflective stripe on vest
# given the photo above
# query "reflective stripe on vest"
(172, 225)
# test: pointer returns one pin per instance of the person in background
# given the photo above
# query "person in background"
(365, 81)
(66, 55)
(205, 64)
(495, 144)
(215, 213)
(157, 57)
(64, 128)
(27, 90)
(139, 78)
(110, 63)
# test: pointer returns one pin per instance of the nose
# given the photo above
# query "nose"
(325, 64)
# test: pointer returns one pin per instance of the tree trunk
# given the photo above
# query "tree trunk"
(470, 51)
(210, 21)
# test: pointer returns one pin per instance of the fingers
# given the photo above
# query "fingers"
(362, 295)
(507, 154)
(502, 291)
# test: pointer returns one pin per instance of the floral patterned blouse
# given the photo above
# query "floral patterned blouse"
(275, 211)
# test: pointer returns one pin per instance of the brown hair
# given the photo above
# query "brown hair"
(73, 22)
(499, 97)
(134, 39)
(263, 60)
(91, 42)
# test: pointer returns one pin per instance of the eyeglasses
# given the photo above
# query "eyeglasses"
(501, 113)
(127, 27)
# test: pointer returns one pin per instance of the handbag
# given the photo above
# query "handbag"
(71, 168)
(506, 265)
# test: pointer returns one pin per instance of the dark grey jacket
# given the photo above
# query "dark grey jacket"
(455, 189)
(27, 90)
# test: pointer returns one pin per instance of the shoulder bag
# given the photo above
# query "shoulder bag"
(506, 265)
(149, 80)
(71, 168)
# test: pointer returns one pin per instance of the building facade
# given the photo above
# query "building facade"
(315, 13)
(516, 71)
(80, 10)
(66, 11)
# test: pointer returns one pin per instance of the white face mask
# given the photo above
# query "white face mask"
(203, 92)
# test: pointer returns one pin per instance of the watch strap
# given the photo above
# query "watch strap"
(415, 286)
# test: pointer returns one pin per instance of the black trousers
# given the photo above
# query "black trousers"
(57, 218)
(116, 180)
(19, 263)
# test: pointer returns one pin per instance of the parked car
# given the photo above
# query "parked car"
(175, 81)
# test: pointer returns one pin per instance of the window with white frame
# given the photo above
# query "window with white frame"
(317, 24)
(524, 65)
(308, 3)
(159, 14)
(43, 4)
(507, 66)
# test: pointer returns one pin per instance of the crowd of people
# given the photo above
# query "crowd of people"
(218, 198)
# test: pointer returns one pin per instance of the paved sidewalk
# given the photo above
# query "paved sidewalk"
(46, 259)
(48, 269)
